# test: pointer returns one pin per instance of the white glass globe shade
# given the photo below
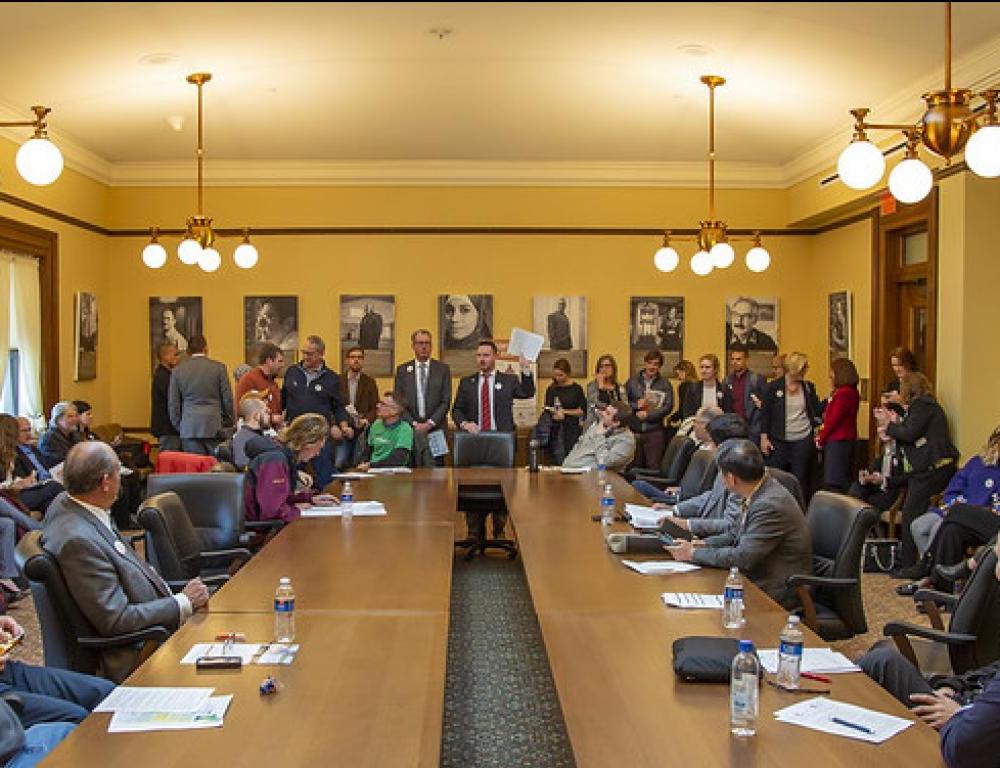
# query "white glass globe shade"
(860, 165)
(701, 263)
(666, 259)
(209, 260)
(39, 161)
(722, 255)
(910, 181)
(982, 153)
(758, 259)
(154, 255)
(189, 251)
(245, 256)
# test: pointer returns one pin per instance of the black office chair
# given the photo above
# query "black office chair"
(831, 594)
(675, 461)
(486, 449)
(973, 636)
(791, 483)
(699, 475)
(174, 548)
(69, 640)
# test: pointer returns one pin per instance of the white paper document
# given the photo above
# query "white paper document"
(250, 653)
(657, 567)
(129, 699)
(209, 716)
(644, 517)
(390, 471)
(819, 660)
(691, 600)
(361, 509)
(525, 344)
(836, 717)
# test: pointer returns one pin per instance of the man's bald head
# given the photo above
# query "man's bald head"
(87, 464)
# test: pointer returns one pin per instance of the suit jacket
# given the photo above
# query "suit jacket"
(22, 465)
(695, 392)
(507, 387)
(711, 512)
(437, 398)
(116, 590)
(159, 412)
(53, 445)
(770, 543)
(922, 435)
(201, 398)
(366, 398)
(772, 416)
(635, 390)
(755, 384)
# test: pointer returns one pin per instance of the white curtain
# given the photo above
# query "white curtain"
(26, 332)
(5, 260)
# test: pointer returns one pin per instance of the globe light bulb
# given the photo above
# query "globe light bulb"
(154, 255)
(245, 256)
(701, 263)
(189, 251)
(910, 181)
(860, 165)
(666, 259)
(209, 260)
(39, 162)
(722, 255)
(982, 153)
(758, 259)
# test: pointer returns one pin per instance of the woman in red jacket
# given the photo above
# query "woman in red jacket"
(840, 426)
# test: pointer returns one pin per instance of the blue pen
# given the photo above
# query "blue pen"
(855, 726)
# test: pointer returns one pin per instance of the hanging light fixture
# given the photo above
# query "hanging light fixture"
(39, 161)
(714, 250)
(948, 126)
(197, 246)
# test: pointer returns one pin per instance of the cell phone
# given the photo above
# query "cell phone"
(667, 539)
(5, 648)
(218, 662)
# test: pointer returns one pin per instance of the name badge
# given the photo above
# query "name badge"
(318, 387)
(779, 393)
(921, 442)
(409, 369)
(989, 482)
(119, 548)
(498, 386)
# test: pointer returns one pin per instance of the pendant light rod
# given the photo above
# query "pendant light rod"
(199, 79)
(712, 81)
(947, 46)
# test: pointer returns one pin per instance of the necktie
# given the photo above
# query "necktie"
(422, 391)
(486, 422)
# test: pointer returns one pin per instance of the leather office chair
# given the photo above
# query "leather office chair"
(214, 501)
(676, 458)
(791, 483)
(69, 639)
(831, 595)
(486, 449)
(699, 475)
(973, 636)
(174, 548)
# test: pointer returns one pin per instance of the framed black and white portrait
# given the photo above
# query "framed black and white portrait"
(656, 322)
(562, 321)
(369, 322)
(463, 320)
(271, 320)
(173, 319)
(86, 336)
(752, 326)
(839, 325)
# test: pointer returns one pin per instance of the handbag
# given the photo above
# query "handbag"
(880, 555)
(705, 659)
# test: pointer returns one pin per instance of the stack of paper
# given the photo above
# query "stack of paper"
(361, 509)
(836, 717)
(644, 517)
(573, 470)
(352, 475)
(691, 600)
(525, 344)
(250, 653)
(390, 471)
(163, 709)
(823, 661)
(657, 567)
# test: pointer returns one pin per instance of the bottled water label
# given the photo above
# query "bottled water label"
(743, 697)
(733, 593)
(284, 605)
(790, 649)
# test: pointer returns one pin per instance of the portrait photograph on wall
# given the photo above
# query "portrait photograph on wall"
(655, 322)
(369, 322)
(562, 321)
(86, 336)
(752, 326)
(274, 320)
(839, 325)
(463, 319)
(174, 319)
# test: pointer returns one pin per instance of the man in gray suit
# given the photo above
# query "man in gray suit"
(201, 399)
(116, 590)
(426, 387)
(770, 541)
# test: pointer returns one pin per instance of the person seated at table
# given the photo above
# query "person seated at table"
(607, 441)
(715, 510)
(255, 421)
(24, 480)
(269, 490)
(770, 541)
(62, 434)
(389, 440)
(699, 434)
(965, 708)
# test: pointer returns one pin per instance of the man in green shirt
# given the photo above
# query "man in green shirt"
(390, 439)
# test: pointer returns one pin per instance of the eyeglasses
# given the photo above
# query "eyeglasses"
(310, 352)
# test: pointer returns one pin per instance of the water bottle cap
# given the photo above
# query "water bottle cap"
(607, 487)
(284, 580)
(746, 646)
(602, 466)
(793, 619)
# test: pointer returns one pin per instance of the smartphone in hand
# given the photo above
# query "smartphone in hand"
(5, 648)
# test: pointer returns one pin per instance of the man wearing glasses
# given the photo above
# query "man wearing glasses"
(425, 385)
(741, 329)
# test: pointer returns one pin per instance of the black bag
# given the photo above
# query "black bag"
(705, 659)
(880, 555)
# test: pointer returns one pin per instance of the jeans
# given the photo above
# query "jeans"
(651, 492)
(323, 465)
(53, 695)
(343, 455)
(39, 740)
(923, 529)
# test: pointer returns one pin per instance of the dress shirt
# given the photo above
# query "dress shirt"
(491, 382)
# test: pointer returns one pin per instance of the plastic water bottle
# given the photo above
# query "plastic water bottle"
(556, 404)
(743, 691)
(284, 611)
(532, 455)
(607, 505)
(790, 654)
(347, 502)
(602, 475)
(732, 601)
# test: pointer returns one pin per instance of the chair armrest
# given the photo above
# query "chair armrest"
(135, 538)
(156, 634)
(827, 582)
(263, 525)
(645, 474)
(946, 599)
(896, 628)
(208, 581)
(239, 553)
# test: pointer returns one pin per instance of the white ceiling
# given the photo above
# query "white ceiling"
(518, 83)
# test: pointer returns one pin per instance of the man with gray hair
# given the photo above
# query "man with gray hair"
(55, 442)
(426, 387)
(113, 587)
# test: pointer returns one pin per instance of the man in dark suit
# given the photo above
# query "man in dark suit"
(770, 541)
(559, 328)
(485, 400)
(55, 442)
(201, 399)
(359, 394)
(370, 328)
(159, 412)
(747, 388)
(114, 588)
(426, 387)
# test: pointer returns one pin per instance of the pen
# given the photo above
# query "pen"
(855, 726)
(814, 676)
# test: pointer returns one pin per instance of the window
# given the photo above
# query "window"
(12, 385)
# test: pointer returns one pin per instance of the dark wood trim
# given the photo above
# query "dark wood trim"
(27, 205)
(43, 244)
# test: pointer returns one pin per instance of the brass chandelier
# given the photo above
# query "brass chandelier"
(198, 243)
(714, 250)
(947, 127)
(39, 161)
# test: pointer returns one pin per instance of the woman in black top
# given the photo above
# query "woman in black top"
(687, 377)
(902, 361)
(565, 401)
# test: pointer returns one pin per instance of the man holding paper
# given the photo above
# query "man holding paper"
(425, 384)
(485, 401)
(607, 441)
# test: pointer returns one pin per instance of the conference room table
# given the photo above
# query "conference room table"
(372, 613)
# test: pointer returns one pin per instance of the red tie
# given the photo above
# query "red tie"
(484, 404)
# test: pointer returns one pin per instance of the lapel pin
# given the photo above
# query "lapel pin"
(409, 369)
(119, 548)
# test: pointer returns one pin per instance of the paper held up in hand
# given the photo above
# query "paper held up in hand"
(361, 509)
(525, 344)
(654, 398)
